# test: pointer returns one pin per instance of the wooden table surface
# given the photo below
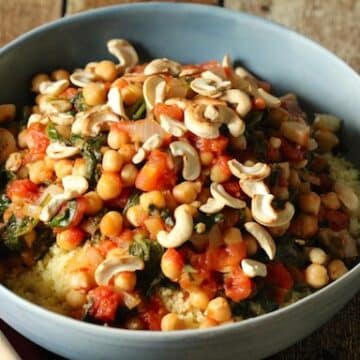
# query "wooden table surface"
(333, 23)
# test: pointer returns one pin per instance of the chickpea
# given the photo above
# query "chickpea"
(116, 138)
(127, 151)
(63, 168)
(106, 70)
(7, 112)
(112, 161)
(294, 179)
(136, 215)
(134, 323)
(23, 172)
(80, 167)
(109, 186)
(21, 139)
(305, 226)
(80, 280)
(171, 322)
(316, 276)
(331, 201)
(326, 140)
(111, 224)
(317, 256)
(232, 236)
(309, 203)
(94, 94)
(217, 174)
(238, 142)
(94, 203)
(199, 299)
(206, 158)
(219, 310)
(38, 172)
(152, 198)
(131, 94)
(336, 269)
(37, 80)
(60, 74)
(125, 281)
(49, 163)
(64, 130)
(171, 264)
(186, 192)
(68, 240)
(128, 174)
(76, 298)
(252, 246)
(208, 323)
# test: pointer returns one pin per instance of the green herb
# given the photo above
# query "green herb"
(14, 229)
(138, 110)
(4, 203)
(64, 219)
(151, 252)
(44, 239)
(289, 252)
(5, 177)
(54, 135)
(165, 214)
(79, 102)
(209, 220)
(132, 201)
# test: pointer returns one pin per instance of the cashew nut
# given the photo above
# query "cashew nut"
(58, 150)
(37, 118)
(115, 102)
(347, 196)
(271, 101)
(257, 171)
(81, 78)
(326, 122)
(180, 102)
(171, 126)
(209, 87)
(160, 66)
(251, 187)
(211, 113)
(253, 268)
(110, 267)
(262, 236)
(263, 212)
(124, 52)
(54, 88)
(152, 143)
(154, 90)
(227, 62)
(190, 72)
(14, 162)
(191, 160)
(240, 98)
(220, 199)
(229, 117)
(51, 106)
(198, 124)
(61, 119)
(182, 230)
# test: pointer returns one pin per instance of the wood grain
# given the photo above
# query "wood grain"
(74, 6)
(333, 23)
(19, 16)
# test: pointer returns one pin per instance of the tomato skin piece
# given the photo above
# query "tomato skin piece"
(222, 162)
(279, 276)
(37, 142)
(105, 246)
(216, 146)
(237, 285)
(291, 151)
(173, 111)
(152, 313)
(233, 188)
(337, 220)
(23, 189)
(156, 174)
(105, 302)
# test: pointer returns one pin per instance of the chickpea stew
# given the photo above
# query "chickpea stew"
(163, 196)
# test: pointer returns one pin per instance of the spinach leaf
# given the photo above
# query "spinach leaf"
(54, 135)
(209, 220)
(64, 219)
(79, 102)
(132, 200)
(5, 177)
(45, 237)
(151, 252)
(289, 252)
(138, 110)
(165, 214)
(14, 229)
(4, 203)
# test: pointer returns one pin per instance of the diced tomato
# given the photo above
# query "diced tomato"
(120, 83)
(37, 142)
(105, 246)
(222, 161)
(233, 188)
(152, 314)
(70, 238)
(225, 257)
(237, 285)
(338, 220)
(272, 154)
(105, 302)
(171, 111)
(291, 151)
(125, 238)
(259, 103)
(280, 281)
(69, 93)
(22, 189)
(121, 200)
(157, 173)
(81, 205)
(174, 257)
(217, 145)
(210, 65)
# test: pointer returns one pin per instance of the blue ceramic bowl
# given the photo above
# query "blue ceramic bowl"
(187, 33)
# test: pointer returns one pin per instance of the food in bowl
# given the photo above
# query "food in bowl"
(164, 196)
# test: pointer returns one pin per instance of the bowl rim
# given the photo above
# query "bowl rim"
(200, 333)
